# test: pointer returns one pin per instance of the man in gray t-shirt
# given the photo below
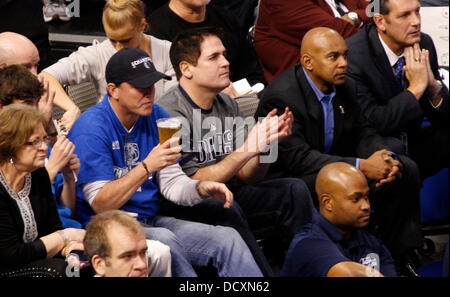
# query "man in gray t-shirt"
(218, 146)
(208, 135)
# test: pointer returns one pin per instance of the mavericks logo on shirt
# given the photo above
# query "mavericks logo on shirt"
(131, 154)
(115, 145)
(213, 146)
(372, 260)
(131, 160)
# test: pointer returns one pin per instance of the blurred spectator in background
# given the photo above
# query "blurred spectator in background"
(179, 15)
(25, 17)
(243, 10)
(55, 10)
(16, 49)
(124, 23)
(281, 26)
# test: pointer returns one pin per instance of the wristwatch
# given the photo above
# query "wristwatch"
(354, 17)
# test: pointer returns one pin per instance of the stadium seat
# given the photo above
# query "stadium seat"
(435, 198)
(431, 270)
(434, 209)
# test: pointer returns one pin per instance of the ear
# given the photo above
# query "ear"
(186, 69)
(99, 265)
(379, 21)
(307, 62)
(143, 25)
(326, 202)
(113, 91)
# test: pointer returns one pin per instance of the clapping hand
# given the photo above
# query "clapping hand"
(271, 129)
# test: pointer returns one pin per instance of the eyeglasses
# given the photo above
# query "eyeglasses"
(38, 142)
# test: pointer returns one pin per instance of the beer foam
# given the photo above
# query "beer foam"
(171, 123)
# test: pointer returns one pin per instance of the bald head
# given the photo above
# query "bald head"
(16, 49)
(336, 177)
(318, 39)
(343, 196)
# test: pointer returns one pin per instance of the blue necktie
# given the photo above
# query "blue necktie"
(399, 79)
(399, 72)
(328, 121)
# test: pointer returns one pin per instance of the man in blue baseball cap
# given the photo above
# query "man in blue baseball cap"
(124, 167)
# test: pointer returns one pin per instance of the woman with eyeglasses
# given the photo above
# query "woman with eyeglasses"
(18, 85)
(32, 239)
(125, 26)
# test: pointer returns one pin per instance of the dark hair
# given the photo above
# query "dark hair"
(384, 7)
(186, 46)
(96, 240)
(17, 82)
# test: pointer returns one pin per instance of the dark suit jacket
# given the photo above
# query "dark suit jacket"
(387, 109)
(282, 24)
(302, 153)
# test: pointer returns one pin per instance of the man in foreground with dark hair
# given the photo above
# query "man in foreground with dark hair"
(217, 146)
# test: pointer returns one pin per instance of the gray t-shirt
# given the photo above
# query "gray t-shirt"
(207, 135)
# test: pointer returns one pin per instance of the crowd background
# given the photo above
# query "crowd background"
(49, 38)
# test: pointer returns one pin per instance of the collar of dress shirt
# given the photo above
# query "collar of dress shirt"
(317, 91)
(392, 57)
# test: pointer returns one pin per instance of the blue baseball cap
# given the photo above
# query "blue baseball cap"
(134, 66)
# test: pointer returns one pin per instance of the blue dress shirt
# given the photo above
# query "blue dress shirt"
(326, 100)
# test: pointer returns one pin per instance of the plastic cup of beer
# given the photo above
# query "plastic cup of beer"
(168, 128)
